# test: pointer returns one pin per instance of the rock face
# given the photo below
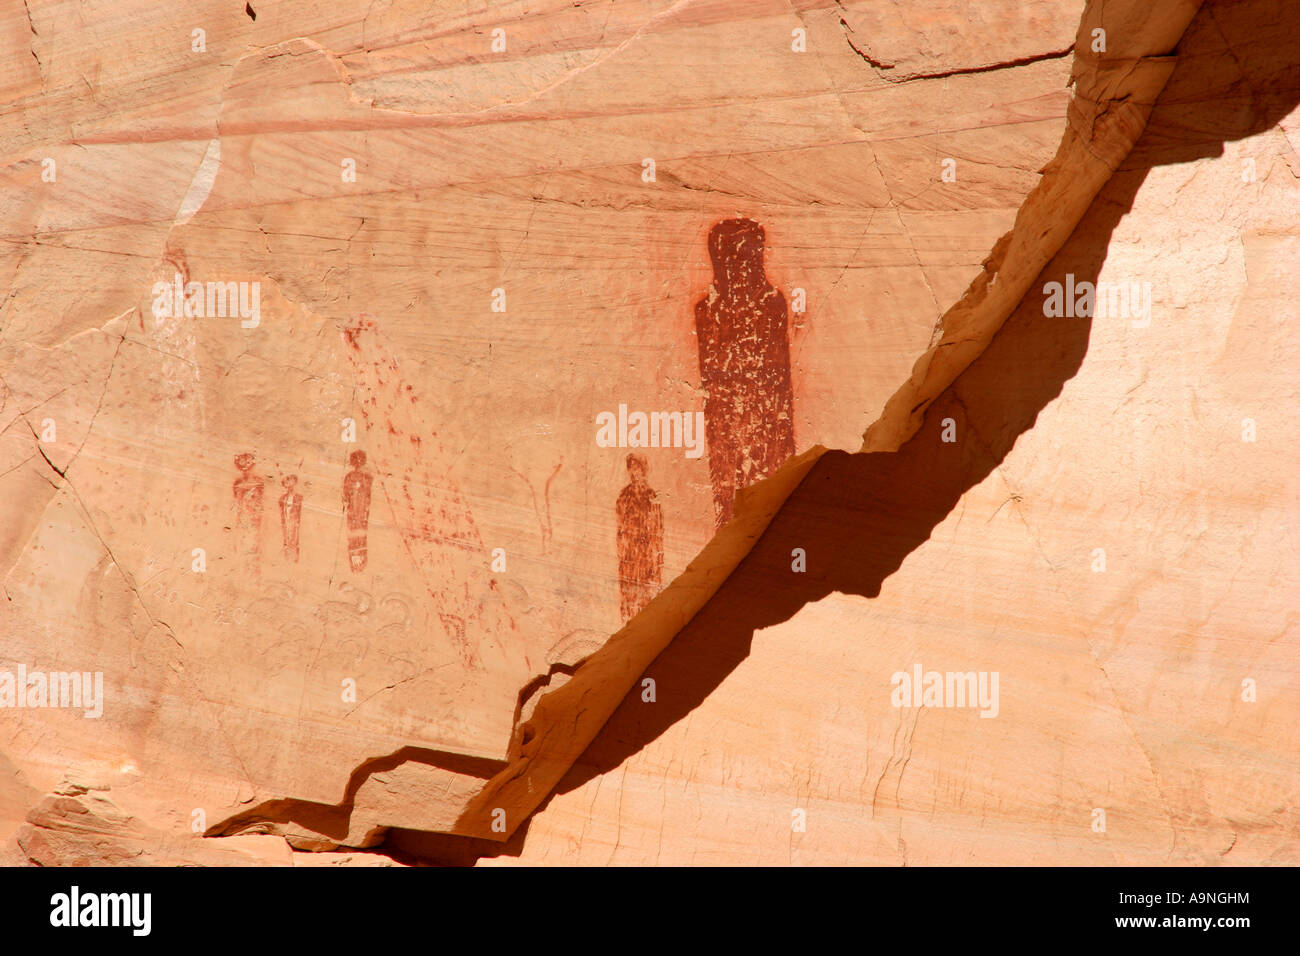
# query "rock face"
(414, 432)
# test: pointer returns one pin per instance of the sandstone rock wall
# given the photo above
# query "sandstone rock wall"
(350, 555)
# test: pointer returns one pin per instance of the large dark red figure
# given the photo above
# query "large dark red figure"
(742, 327)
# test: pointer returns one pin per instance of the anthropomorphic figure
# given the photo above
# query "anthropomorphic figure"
(290, 516)
(640, 534)
(743, 336)
(356, 508)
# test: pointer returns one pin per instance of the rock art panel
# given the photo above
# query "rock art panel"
(473, 634)
(414, 475)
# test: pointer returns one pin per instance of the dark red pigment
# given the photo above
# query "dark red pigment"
(744, 349)
(640, 521)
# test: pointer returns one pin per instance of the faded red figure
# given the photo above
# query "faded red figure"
(247, 490)
(640, 540)
(290, 516)
(356, 508)
(743, 334)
